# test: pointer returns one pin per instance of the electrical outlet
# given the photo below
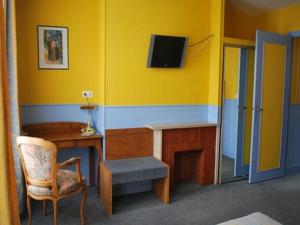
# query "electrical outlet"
(87, 94)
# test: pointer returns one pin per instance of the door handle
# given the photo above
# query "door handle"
(257, 109)
(242, 107)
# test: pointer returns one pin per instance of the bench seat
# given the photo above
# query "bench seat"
(124, 171)
(136, 169)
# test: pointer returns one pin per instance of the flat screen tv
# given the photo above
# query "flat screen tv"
(167, 51)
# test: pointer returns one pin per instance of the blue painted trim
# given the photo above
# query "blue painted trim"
(156, 106)
(139, 116)
(266, 175)
(132, 116)
(295, 34)
(214, 114)
(239, 167)
(262, 38)
(258, 67)
(54, 113)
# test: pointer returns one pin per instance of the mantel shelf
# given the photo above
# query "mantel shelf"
(181, 125)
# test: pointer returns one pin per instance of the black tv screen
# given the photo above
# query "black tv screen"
(167, 51)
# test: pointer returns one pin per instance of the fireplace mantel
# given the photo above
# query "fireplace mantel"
(180, 125)
(158, 128)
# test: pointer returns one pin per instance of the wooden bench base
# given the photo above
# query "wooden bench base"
(159, 186)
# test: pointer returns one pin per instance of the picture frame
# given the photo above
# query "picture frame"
(53, 47)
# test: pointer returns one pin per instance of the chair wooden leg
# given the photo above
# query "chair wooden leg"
(55, 210)
(45, 207)
(161, 188)
(82, 205)
(106, 188)
(29, 210)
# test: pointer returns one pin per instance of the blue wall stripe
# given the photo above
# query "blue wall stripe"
(121, 117)
(54, 113)
(214, 114)
(139, 116)
(130, 117)
(295, 33)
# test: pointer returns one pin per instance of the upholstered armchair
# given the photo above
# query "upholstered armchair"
(45, 179)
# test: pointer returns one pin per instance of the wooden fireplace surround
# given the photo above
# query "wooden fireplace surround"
(189, 151)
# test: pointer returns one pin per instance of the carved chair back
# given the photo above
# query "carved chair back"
(38, 159)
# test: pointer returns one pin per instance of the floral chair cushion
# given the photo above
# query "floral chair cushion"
(66, 183)
(37, 161)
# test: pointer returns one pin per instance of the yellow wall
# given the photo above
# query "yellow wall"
(59, 86)
(231, 72)
(101, 49)
(129, 25)
(240, 25)
(244, 25)
(108, 46)
(216, 52)
(282, 20)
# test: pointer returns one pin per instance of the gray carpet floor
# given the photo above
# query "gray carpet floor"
(191, 204)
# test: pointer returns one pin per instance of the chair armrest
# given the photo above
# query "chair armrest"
(70, 162)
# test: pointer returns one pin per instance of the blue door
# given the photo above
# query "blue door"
(271, 101)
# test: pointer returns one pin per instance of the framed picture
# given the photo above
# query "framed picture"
(53, 48)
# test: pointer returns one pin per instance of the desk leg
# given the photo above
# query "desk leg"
(99, 153)
(92, 166)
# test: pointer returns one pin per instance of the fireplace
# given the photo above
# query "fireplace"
(190, 153)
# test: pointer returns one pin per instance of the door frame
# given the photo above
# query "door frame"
(294, 34)
(239, 168)
(237, 43)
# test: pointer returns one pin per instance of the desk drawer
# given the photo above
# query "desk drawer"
(65, 144)
(88, 142)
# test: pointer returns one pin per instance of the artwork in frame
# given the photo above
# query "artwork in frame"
(53, 48)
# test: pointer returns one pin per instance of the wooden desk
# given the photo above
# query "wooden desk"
(68, 135)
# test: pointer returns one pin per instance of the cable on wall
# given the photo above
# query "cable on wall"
(203, 40)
